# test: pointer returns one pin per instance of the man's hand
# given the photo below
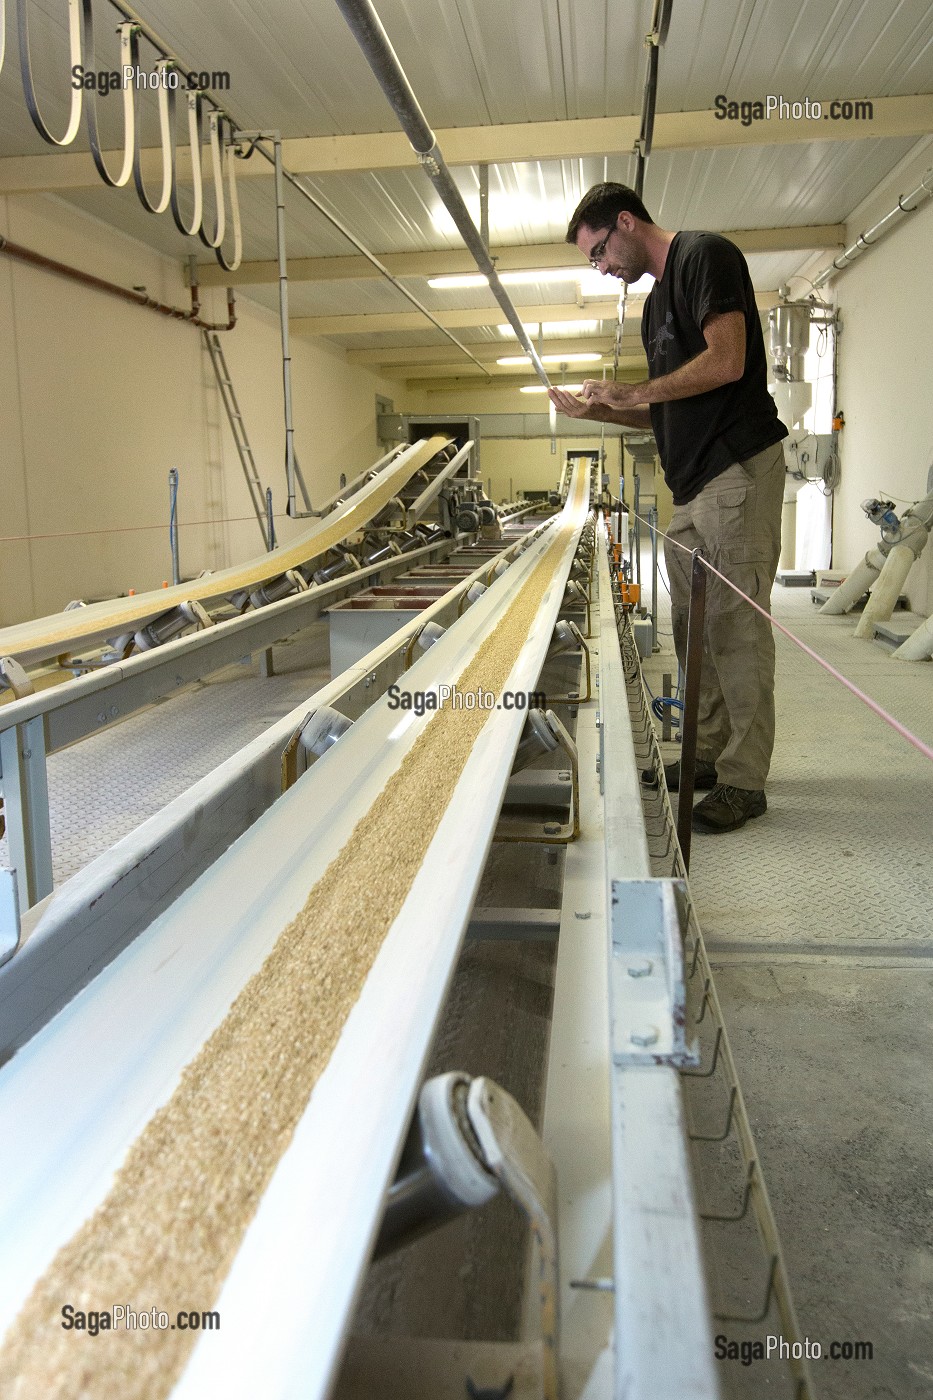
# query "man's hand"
(613, 395)
(570, 404)
(576, 407)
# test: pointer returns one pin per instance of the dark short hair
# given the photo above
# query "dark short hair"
(601, 206)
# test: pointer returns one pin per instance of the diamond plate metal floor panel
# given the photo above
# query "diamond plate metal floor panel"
(840, 862)
(103, 787)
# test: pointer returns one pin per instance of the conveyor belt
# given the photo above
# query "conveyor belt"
(378, 835)
(61, 633)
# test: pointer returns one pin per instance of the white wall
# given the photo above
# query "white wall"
(100, 398)
(884, 388)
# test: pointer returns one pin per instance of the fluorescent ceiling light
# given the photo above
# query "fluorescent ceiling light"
(568, 327)
(594, 284)
(461, 279)
(511, 279)
(550, 359)
(508, 210)
(591, 282)
(551, 328)
(540, 389)
(542, 274)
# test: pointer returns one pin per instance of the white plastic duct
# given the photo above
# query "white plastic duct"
(919, 645)
(886, 589)
(912, 533)
(845, 597)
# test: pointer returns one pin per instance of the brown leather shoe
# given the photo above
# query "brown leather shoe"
(727, 808)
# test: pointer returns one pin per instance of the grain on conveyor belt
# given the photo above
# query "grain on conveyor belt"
(167, 1232)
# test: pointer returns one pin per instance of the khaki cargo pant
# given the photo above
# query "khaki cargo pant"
(736, 523)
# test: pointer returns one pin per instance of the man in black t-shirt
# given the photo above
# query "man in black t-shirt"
(719, 441)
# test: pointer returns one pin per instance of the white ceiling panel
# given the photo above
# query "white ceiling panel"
(818, 49)
(294, 66)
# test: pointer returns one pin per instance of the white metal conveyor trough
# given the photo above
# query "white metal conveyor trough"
(86, 1085)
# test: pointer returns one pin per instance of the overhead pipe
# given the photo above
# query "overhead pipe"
(906, 204)
(369, 33)
(660, 23)
(259, 142)
(283, 325)
(139, 298)
(257, 139)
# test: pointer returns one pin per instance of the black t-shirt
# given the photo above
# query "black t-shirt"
(700, 436)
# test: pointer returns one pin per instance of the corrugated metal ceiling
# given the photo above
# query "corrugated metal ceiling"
(476, 62)
(397, 211)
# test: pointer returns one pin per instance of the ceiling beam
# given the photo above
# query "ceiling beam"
(374, 322)
(512, 374)
(492, 145)
(525, 258)
(389, 322)
(629, 375)
(487, 350)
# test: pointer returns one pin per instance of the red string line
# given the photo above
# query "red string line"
(814, 656)
(120, 529)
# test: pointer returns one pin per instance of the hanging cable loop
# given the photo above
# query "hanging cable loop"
(230, 158)
(195, 137)
(2, 33)
(165, 141)
(75, 46)
(129, 58)
(215, 122)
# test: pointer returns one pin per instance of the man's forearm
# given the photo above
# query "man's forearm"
(697, 376)
(628, 417)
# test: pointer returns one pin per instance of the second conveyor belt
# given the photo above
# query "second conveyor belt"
(60, 633)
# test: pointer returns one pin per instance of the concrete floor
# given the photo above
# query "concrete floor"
(818, 921)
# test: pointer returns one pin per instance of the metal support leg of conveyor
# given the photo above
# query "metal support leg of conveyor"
(26, 808)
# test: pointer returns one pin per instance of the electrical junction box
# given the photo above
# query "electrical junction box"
(642, 632)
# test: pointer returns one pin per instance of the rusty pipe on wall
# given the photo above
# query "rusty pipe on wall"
(139, 298)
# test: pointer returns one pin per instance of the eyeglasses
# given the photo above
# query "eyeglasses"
(597, 251)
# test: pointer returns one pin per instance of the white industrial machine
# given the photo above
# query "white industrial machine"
(810, 457)
(884, 571)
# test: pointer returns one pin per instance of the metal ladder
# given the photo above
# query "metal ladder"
(238, 428)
